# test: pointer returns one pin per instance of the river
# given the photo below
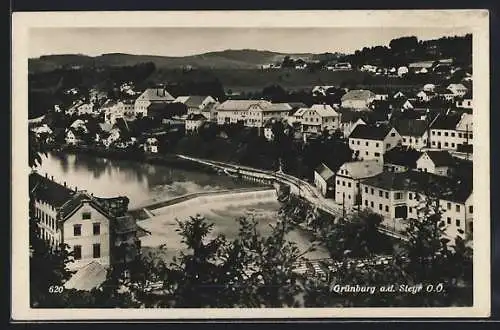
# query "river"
(144, 183)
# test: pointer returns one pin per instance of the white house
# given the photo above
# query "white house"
(359, 99)
(450, 131)
(459, 90)
(234, 111)
(429, 88)
(398, 197)
(195, 103)
(151, 145)
(372, 141)
(324, 179)
(257, 116)
(318, 118)
(93, 228)
(401, 159)
(465, 102)
(296, 116)
(425, 96)
(85, 108)
(347, 181)
(149, 96)
(437, 162)
(414, 132)
(194, 122)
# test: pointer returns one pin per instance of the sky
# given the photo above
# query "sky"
(190, 41)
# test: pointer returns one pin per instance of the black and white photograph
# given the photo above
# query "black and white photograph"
(292, 164)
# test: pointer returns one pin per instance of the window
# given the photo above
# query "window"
(366, 190)
(386, 208)
(459, 135)
(380, 193)
(448, 220)
(358, 143)
(452, 134)
(372, 191)
(457, 222)
(348, 196)
(376, 144)
(77, 230)
(77, 250)
(470, 209)
(96, 250)
(393, 134)
(433, 143)
(96, 228)
(410, 196)
(366, 144)
(86, 215)
(397, 195)
(470, 136)
(433, 133)
(410, 209)
(470, 227)
(380, 207)
(446, 144)
(366, 202)
(343, 183)
(445, 133)
(366, 153)
(448, 206)
(349, 184)
(388, 145)
(453, 145)
(371, 204)
(386, 194)
(457, 208)
(439, 133)
(357, 184)
(404, 139)
(377, 154)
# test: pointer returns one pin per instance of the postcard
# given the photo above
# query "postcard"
(250, 165)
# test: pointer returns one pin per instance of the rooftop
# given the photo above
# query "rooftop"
(402, 156)
(324, 110)
(363, 169)
(88, 277)
(242, 105)
(410, 127)
(370, 132)
(440, 157)
(448, 122)
(156, 95)
(358, 94)
(325, 172)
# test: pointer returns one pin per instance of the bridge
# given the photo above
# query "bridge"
(297, 186)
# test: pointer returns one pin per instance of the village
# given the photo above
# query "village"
(393, 148)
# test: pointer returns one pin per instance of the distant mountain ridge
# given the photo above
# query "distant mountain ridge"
(226, 59)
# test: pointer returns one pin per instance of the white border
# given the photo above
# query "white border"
(477, 20)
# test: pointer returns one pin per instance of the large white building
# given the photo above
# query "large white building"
(450, 131)
(398, 197)
(372, 141)
(95, 229)
(318, 118)
(195, 103)
(414, 132)
(359, 99)
(150, 96)
(234, 111)
(348, 178)
(258, 116)
(439, 162)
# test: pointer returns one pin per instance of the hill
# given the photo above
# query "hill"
(227, 59)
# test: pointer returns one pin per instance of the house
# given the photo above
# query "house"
(372, 141)
(85, 109)
(451, 130)
(425, 96)
(296, 116)
(422, 67)
(151, 145)
(74, 136)
(349, 119)
(42, 130)
(398, 197)
(73, 108)
(459, 90)
(398, 95)
(95, 229)
(445, 94)
(402, 71)
(318, 118)
(465, 102)
(401, 103)
(414, 132)
(380, 94)
(257, 116)
(149, 96)
(324, 179)
(321, 90)
(112, 136)
(112, 111)
(194, 122)
(210, 112)
(429, 88)
(358, 99)
(348, 179)
(195, 103)
(234, 111)
(401, 159)
(439, 162)
(127, 108)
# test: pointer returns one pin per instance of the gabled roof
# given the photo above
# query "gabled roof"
(410, 127)
(156, 95)
(49, 191)
(427, 183)
(300, 112)
(363, 169)
(402, 156)
(297, 105)
(358, 94)
(324, 110)
(370, 132)
(279, 107)
(193, 101)
(449, 121)
(242, 105)
(456, 86)
(325, 172)
(440, 157)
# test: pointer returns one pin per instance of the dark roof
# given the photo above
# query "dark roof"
(158, 107)
(351, 116)
(402, 156)
(195, 100)
(326, 173)
(446, 121)
(297, 105)
(195, 116)
(410, 127)
(440, 157)
(370, 132)
(427, 183)
(49, 191)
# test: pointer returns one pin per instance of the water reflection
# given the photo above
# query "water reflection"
(140, 182)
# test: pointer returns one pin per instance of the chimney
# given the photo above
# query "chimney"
(46, 175)
(52, 178)
(76, 188)
(65, 183)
